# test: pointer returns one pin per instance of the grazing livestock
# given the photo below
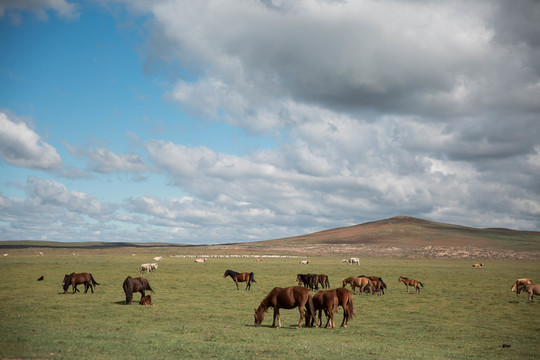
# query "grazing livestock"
(158, 258)
(286, 298)
(410, 282)
(40, 278)
(378, 284)
(76, 279)
(344, 299)
(325, 300)
(478, 265)
(354, 260)
(531, 289)
(146, 300)
(308, 280)
(360, 282)
(241, 277)
(524, 281)
(201, 260)
(345, 261)
(137, 284)
(145, 268)
(304, 262)
(40, 253)
(259, 260)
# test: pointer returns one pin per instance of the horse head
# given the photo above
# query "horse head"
(259, 316)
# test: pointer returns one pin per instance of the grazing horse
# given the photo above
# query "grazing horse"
(410, 282)
(531, 289)
(138, 284)
(145, 267)
(286, 298)
(325, 300)
(76, 279)
(201, 260)
(241, 277)
(344, 299)
(360, 282)
(308, 280)
(478, 265)
(323, 280)
(304, 262)
(354, 260)
(158, 258)
(524, 281)
(378, 284)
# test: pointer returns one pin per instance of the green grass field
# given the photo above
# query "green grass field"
(461, 313)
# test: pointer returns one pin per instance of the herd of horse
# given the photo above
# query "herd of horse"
(325, 300)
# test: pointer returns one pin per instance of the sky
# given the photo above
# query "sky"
(219, 121)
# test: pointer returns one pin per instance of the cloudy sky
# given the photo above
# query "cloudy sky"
(219, 121)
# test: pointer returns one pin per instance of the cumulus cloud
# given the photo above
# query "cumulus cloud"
(21, 146)
(105, 161)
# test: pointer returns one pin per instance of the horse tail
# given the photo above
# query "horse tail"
(310, 316)
(252, 277)
(148, 286)
(383, 283)
(422, 285)
(327, 283)
(94, 281)
(350, 306)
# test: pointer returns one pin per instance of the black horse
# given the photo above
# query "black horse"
(240, 277)
(138, 284)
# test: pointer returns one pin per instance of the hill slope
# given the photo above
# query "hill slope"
(409, 231)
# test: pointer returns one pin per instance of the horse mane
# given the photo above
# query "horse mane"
(231, 273)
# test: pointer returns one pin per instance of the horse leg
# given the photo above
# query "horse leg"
(236, 282)
(301, 308)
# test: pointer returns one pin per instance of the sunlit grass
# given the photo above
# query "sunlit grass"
(460, 313)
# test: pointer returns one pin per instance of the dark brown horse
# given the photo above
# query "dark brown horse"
(410, 282)
(137, 284)
(287, 298)
(308, 280)
(76, 279)
(360, 282)
(240, 277)
(343, 298)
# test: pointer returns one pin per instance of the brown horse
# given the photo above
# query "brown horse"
(378, 284)
(343, 298)
(360, 282)
(325, 300)
(286, 298)
(410, 282)
(240, 277)
(519, 282)
(138, 284)
(531, 289)
(323, 280)
(76, 279)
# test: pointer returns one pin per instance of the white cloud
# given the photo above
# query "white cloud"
(21, 146)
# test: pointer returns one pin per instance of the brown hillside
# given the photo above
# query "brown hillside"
(408, 231)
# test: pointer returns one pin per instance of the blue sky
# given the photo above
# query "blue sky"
(212, 122)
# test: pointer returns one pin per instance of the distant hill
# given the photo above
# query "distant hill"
(406, 231)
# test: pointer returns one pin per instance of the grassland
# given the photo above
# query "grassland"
(461, 313)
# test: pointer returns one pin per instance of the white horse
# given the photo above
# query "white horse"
(153, 266)
(304, 262)
(145, 267)
(354, 260)
(158, 258)
(201, 260)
